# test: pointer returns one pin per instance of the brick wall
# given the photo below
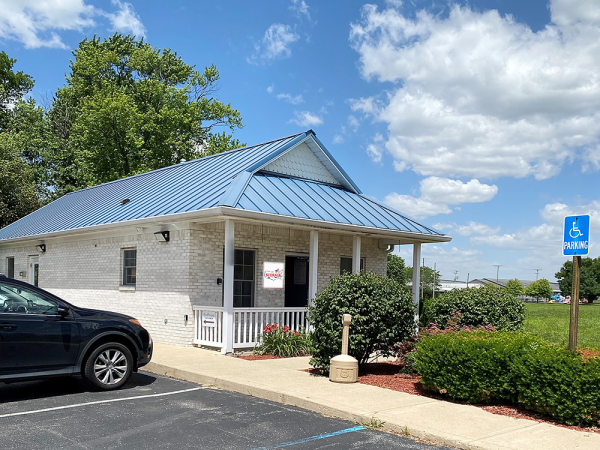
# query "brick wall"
(173, 276)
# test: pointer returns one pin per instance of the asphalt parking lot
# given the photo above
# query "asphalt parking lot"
(162, 413)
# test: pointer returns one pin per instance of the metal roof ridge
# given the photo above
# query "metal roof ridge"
(187, 162)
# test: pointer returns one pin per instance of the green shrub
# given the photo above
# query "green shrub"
(484, 367)
(560, 383)
(281, 341)
(382, 315)
(471, 366)
(478, 306)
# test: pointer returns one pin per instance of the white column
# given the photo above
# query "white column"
(416, 278)
(356, 254)
(228, 287)
(313, 264)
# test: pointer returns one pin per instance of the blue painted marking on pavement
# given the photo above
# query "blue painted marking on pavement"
(312, 438)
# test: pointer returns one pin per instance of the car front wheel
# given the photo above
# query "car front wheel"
(109, 366)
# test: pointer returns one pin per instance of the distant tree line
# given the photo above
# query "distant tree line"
(126, 108)
(589, 283)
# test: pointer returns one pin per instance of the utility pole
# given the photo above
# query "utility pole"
(468, 279)
(455, 275)
(537, 271)
(434, 266)
(497, 270)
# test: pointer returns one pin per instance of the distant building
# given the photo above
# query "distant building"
(448, 285)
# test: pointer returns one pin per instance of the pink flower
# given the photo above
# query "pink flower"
(286, 329)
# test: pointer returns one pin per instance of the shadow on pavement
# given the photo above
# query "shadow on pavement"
(55, 387)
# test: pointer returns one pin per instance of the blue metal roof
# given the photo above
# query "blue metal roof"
(312, 200)
(226, 179)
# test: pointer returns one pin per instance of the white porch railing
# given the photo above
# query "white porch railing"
(248, 324)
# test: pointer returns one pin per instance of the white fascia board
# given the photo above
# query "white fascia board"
(361, 229)
(226, 211)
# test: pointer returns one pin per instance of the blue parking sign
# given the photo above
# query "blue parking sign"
(576, 235)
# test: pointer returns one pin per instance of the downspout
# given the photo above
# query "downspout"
(390, 248)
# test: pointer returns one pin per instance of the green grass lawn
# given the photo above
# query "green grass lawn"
(551, 322)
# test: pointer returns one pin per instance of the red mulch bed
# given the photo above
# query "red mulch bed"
(387, 375)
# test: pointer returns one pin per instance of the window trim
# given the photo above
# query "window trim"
(363, 262)
(8, 275)
(124, 267)
(254, 281)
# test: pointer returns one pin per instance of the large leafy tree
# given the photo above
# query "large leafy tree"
(430, 279)
(18, 189)
(13, 86)
(589, 283)
(128, 108)
(515, 287)
(396, 269)
(539, 289)
(18, 193)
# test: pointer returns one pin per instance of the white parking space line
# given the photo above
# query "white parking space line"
(77, 405)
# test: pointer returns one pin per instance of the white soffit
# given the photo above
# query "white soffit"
(301, 162)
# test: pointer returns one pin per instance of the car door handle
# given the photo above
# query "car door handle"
(7, 326)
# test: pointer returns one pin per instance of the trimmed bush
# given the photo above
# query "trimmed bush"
(486, 367)
(471, 366)
(487, 305)
(281, 341)
(382, 315)
(560, 383)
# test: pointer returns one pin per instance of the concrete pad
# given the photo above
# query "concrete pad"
(284, 381)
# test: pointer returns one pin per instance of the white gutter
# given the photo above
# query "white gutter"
(227, 211)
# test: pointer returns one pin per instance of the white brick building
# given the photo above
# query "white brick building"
(187, 242)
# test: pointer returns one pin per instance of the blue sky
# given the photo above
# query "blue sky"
(479, 118)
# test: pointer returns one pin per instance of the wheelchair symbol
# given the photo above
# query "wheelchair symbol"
(575, 232)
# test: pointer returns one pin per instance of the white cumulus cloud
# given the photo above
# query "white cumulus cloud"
(300, 8)
(338, 139)
(275, 44)
(438, 193)
(482, 95)
(126, 20)
(38, 23)
(306, 119)
(293, 99)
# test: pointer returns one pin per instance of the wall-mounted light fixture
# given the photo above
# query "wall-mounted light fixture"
(22, 274)
(162, 236)
(41, 248)
(219, 281)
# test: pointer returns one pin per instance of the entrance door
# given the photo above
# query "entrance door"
(296, 281)
(34, 270)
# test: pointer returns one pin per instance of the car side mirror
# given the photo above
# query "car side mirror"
(62, 311)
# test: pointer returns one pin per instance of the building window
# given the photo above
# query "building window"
(346, 265)
(243, 279)
(10, 267)
(129, 266)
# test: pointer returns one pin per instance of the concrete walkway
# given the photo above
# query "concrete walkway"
(283, 381)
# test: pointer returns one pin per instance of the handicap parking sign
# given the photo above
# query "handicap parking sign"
(576, 239)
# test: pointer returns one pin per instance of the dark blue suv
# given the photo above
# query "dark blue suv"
(43, 336)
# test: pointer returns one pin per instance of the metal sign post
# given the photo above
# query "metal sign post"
(576, 242)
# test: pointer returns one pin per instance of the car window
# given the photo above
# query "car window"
(20, 300)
